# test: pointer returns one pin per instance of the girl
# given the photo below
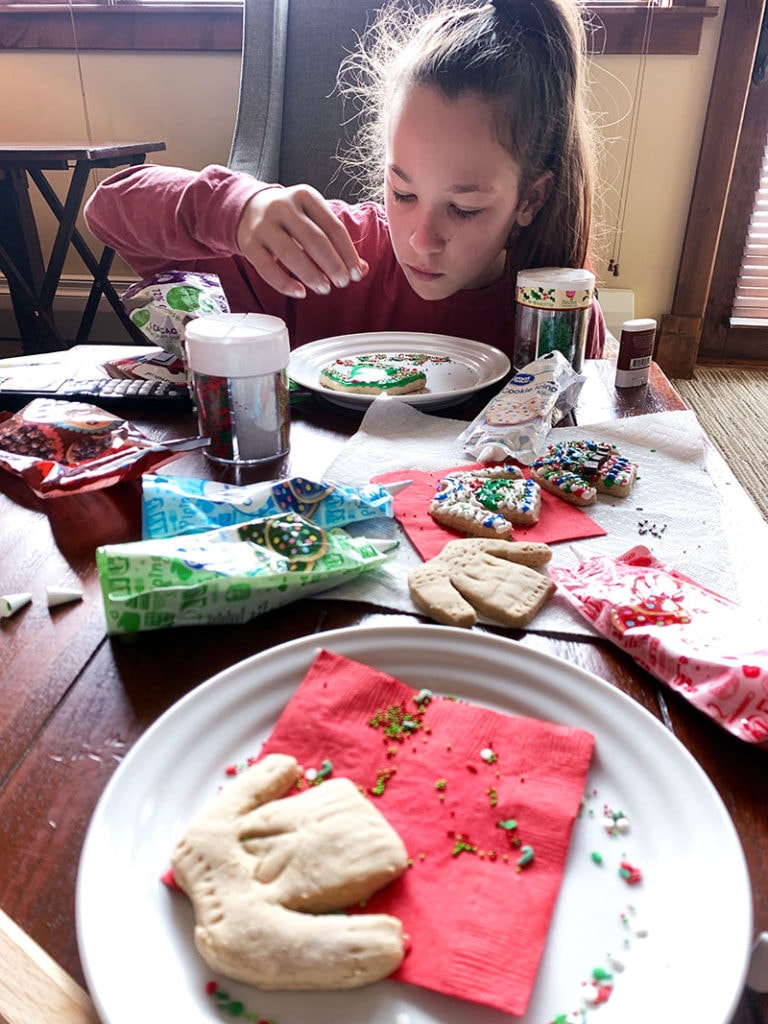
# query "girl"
(474, 128)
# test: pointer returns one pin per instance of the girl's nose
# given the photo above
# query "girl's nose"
(427, 235)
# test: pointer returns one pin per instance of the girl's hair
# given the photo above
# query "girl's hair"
(527, 58)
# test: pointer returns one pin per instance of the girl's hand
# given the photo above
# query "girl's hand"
(294, 239)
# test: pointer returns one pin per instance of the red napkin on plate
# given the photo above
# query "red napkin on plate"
(558, 520)
(451, 783)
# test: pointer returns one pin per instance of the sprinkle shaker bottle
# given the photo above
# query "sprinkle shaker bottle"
(238, 368)
(553, 308)
(633, 365)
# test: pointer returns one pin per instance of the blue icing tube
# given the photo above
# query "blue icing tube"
(175, 505)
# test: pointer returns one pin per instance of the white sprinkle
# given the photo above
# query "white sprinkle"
(310, 774)
(639, 929)
(608, 823)
(617, 962)
(622, 825)
(487, 754)
(52, 823)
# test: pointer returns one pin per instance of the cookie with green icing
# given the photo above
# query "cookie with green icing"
(374, 374)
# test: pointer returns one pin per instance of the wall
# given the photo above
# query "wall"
(189, 101)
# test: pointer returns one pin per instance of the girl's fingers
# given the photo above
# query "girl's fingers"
(293, 239)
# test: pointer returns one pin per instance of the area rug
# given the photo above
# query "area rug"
(731, 404)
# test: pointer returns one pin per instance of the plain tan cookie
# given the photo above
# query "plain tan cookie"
(493, 577)
(263, 871)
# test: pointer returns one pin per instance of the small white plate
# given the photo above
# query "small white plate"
(468, 366)
(135, 936)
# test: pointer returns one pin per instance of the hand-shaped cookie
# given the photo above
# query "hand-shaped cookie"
(493, 577)
(261, 871)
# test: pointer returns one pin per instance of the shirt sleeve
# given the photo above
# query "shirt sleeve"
(155, 216)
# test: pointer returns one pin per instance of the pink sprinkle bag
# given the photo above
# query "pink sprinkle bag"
(699, 643)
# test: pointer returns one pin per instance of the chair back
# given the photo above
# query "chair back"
(290, 120)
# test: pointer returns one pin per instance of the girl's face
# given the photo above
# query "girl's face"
(452, 192)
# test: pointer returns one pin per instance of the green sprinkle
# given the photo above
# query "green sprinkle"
(597, 857)
(509, 824)
(441, 784)
(600, 974)
(526, 856)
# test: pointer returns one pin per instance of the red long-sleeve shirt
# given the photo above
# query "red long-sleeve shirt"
(163, 218)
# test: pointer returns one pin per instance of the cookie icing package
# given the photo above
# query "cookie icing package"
(516, 422)
(174, 505)
(229, 575)
(703, 646)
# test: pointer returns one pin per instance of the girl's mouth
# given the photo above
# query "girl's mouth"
(421, 274)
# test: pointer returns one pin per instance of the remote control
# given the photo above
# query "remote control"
(118, 396)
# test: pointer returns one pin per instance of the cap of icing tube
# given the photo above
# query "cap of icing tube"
(11, 603)
(62, 595)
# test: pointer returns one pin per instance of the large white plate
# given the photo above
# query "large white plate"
(135, 936)
(471, 366)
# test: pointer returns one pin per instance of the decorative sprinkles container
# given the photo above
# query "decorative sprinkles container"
(552, 314)
(238, 364)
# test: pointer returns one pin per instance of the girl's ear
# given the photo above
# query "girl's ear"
(533, 199)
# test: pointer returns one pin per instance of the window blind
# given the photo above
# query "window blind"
(750, 301)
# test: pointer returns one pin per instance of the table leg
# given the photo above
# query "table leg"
(67, 235)
(21, 262)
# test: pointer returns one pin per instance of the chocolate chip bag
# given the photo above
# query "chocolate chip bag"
(60, 447)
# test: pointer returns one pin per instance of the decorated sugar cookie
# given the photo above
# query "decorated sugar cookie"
(577, 471)
(486, 502)
(376, 373)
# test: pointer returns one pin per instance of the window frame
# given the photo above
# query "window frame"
(217, 26)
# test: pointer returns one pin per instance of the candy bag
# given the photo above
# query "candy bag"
(229, 575)
(68, 447)
(173, 505)
(516, 422)
(161, 305)
(702, 645)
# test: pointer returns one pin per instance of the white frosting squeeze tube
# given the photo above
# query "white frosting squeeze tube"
(229, 575)
(516, 423)
(702, 645)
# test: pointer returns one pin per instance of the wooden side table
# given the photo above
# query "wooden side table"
(32, 283)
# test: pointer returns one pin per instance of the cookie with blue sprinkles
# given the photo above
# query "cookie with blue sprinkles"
(486, 502)
(577, 471)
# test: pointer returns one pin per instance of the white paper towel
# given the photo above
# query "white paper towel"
(673, 509)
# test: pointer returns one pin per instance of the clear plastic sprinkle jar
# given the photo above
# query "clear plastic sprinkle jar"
(553, 307)
(238, 373)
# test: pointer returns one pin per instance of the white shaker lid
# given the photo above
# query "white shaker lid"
(556, 277)
(237, 344)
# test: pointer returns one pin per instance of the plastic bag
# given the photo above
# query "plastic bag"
(173, 505)
(229, 575)
(702, 645)
(161, 305)
(69, 447)
(516, 423)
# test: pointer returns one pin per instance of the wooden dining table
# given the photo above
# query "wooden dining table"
(73, 701)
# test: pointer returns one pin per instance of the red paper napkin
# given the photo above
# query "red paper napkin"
(558, 520)
(477, 922)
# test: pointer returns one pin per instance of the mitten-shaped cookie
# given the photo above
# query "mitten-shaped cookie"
(261, 870)
(493, 577)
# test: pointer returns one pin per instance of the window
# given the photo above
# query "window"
(214, 25)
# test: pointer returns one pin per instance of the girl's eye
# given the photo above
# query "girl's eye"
(402, 197)
(464, 214)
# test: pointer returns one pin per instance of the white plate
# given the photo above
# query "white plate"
(471, 366)
(135, 936)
